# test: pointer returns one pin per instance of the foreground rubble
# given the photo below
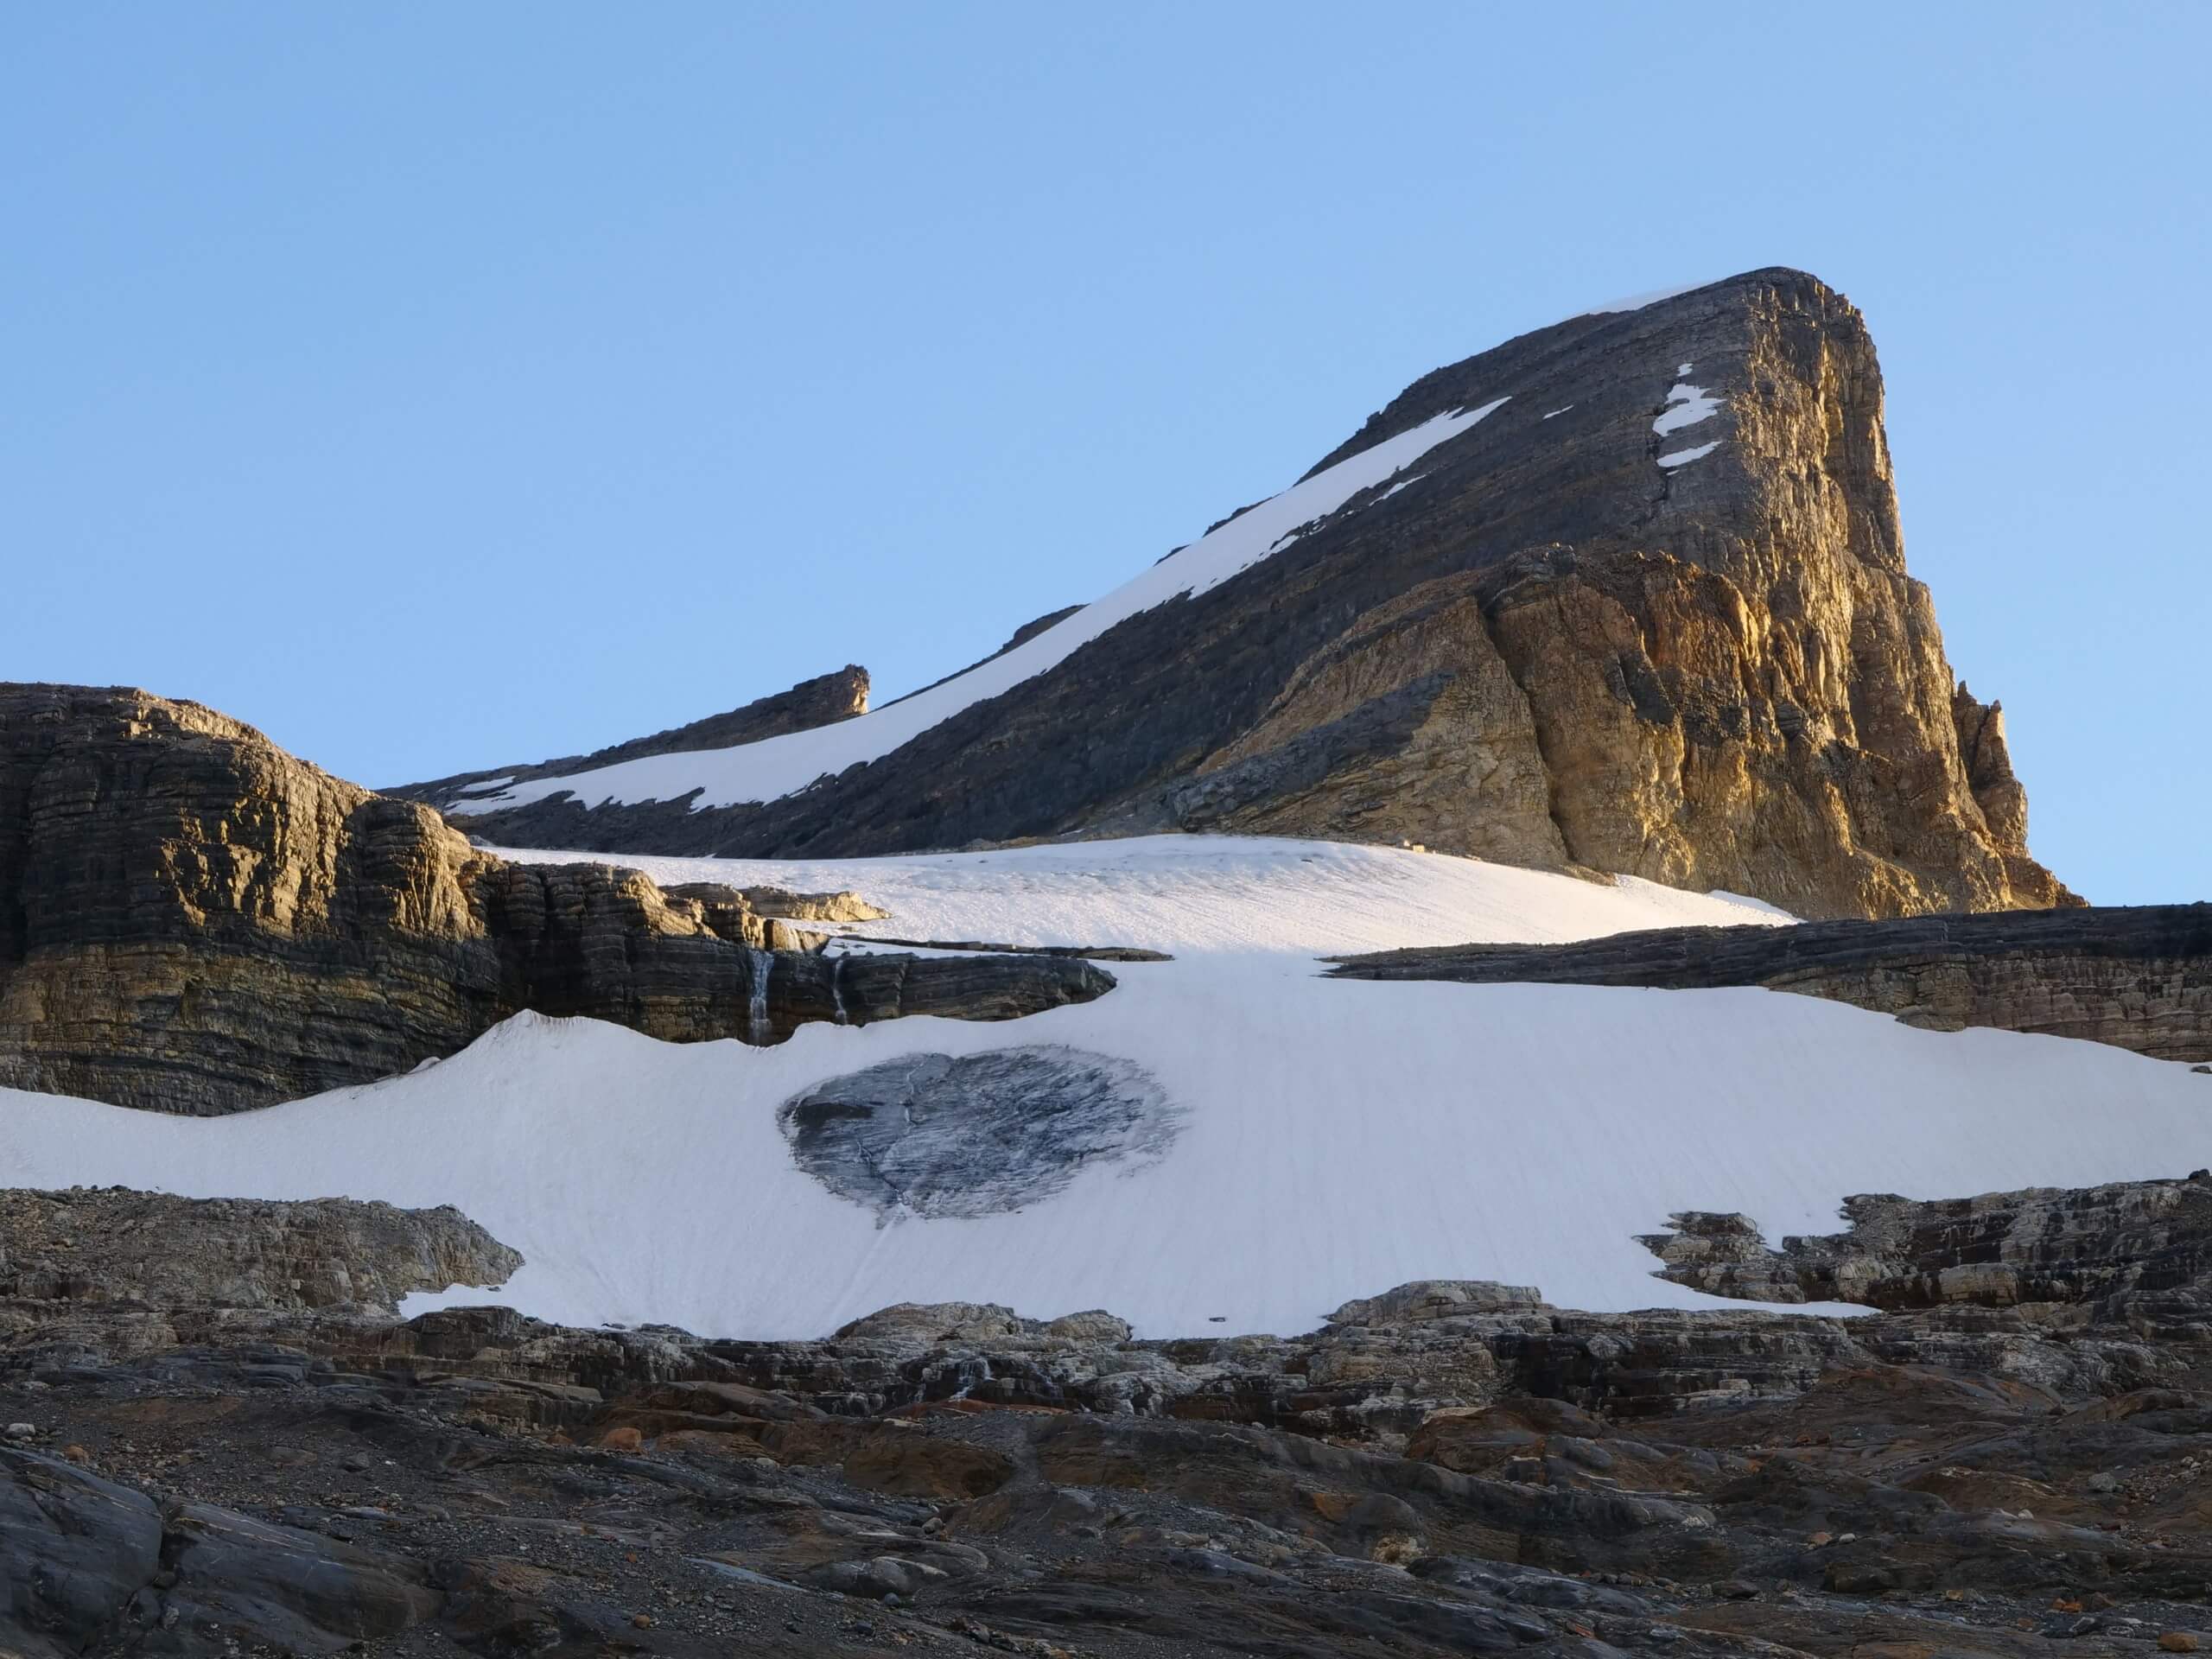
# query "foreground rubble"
(1453, 1467)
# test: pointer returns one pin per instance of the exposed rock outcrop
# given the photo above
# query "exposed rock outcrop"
(1448, 1468)
(99, 1245)
(195, 921)
(1651, 615)
(2126, 1248)
(843, 907)
(2136, 976)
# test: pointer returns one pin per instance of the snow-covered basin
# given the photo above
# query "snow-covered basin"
(1339, 1137)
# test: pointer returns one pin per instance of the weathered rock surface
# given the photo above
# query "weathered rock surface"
(112, 1244)
(845, 906)
(2122, 1247)
(1446, 1468)
(192, 921)
(1555, 641)
(2138, 977)
(821, 701)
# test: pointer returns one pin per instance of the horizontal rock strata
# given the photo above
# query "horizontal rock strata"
(2126, 1249)
(2136, 976)
(192, 921)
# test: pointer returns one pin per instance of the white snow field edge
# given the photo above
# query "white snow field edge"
(1192, 894)
(1339, 1137)
(776, 766)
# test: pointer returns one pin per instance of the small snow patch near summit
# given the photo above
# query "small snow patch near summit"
(1683, 457)
(1686, 406)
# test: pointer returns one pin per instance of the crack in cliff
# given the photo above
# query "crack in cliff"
(1486, 610)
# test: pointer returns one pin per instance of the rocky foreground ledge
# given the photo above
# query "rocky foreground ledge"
(2136, 976)
(192, 921)
(225, 1455)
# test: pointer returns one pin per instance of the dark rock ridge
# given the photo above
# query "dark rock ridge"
(2138, 977)
(1450, 1467)
(2118, 1247)
(1538, 644)
(821, 701)
(194, 921)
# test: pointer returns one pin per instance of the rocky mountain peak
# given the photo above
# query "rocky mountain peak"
(1627, 593)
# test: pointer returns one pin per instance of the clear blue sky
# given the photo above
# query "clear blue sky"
(442, 385)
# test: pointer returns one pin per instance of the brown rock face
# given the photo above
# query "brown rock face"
(1409, 727)
(192, 920)
(1651, 615)
(1737, 686)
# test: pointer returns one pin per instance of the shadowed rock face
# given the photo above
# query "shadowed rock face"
(2136, 976)
(930, 1135)
(194, 921)
(1540, 645)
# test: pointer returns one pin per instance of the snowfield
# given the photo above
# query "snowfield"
(1335, 1137)
(1193, 893)
(775, 767)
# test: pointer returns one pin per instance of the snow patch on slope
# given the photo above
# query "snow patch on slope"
(1331, 1138)
(777, 766)
(1336, 1138)
(1683, 457)
(1686, 406)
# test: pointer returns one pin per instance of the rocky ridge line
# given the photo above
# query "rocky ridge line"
(821, 701)
(2136, 976)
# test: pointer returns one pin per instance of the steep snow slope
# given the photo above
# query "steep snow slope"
(1333, 1139)
(776, 765)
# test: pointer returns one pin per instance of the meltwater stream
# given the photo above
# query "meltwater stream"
(758, 1030)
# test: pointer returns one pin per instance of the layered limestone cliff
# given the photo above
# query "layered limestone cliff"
(2136, 976)
(1650, 614)
(192, 920)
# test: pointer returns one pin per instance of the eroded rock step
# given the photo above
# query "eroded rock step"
(2136, 976)
(192, 921)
